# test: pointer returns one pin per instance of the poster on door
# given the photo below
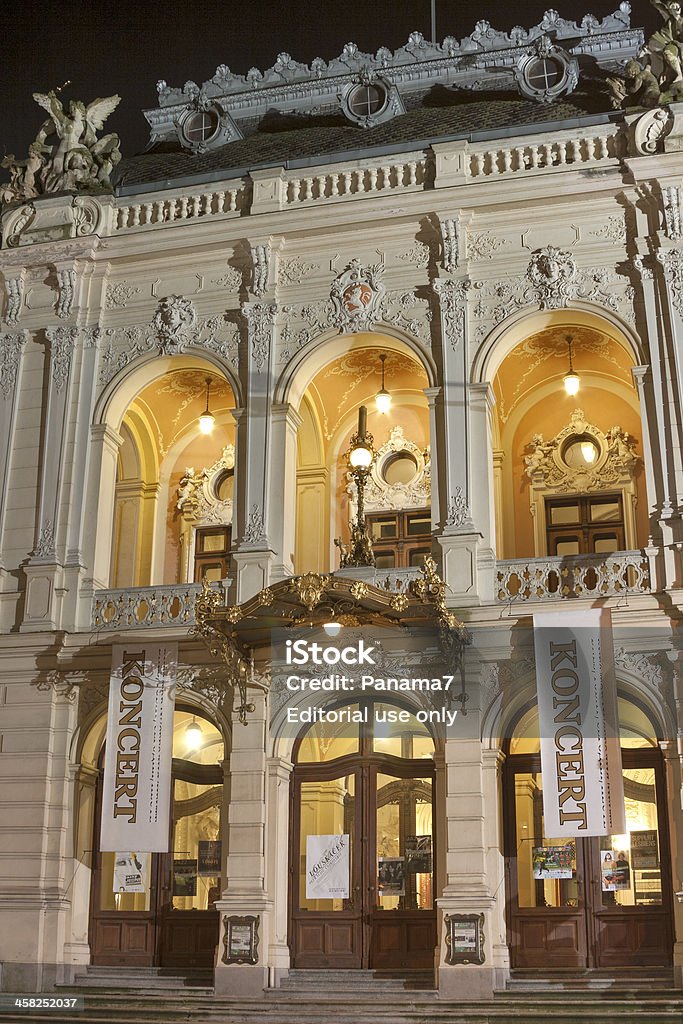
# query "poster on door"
(553, 861)
(644, 853)
(583, 789)
(615, 870)
(391, 876)
(136, 794)
(130, 870)
(209, 858)
(418, 855)
(327, 867)
(185, 877)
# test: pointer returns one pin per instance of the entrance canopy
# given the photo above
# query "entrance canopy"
(235, 633)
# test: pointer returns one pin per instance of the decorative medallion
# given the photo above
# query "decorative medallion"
(552, 271)
(357, 296)
(174, 322)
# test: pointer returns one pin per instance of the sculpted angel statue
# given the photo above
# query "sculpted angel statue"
(668, 40)
(79, 154)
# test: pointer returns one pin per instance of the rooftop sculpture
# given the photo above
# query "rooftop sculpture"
(656, 77)
(66, 154)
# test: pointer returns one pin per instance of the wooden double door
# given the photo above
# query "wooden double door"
(172, 922)
(382, 915)
(601, 902)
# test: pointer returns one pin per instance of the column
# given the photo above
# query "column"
(254, 555)
(246, 893)
(282, 488)
(44, 572)
(98, 534)
(473, 860)
(279, 771)
(11, 350)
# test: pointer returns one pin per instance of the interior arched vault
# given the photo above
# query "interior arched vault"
(329, 414)
(531, 400)
(161, 424)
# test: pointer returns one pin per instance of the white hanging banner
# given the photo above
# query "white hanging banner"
(137, 765)
(327, 867)
(583, 789)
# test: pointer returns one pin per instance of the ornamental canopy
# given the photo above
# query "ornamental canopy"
(234, 633)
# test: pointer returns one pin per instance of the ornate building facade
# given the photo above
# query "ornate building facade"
(478, 213)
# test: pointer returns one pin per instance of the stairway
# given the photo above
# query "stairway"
(370, 997)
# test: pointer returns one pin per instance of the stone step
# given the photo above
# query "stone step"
(316, 1008)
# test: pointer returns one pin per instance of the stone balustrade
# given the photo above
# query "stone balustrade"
(553, 579)
(457, 163)
(543, 153)
(150, 211)
(338, 183)
(146, 607)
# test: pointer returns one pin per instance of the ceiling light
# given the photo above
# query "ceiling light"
(572, 381)
(207, 420)
(332, 628)
(193, 735)
(383, 398)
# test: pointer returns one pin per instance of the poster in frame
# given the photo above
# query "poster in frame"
(464, 938)
(240, 939)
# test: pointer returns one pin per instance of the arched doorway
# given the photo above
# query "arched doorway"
(171, 921)
(372, 783)
(601, 902)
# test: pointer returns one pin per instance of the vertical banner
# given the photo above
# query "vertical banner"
(137, 764)
(583, 789)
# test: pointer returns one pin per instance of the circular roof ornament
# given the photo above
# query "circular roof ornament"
(546, 72)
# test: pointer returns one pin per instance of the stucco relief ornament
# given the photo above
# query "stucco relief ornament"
(672, 262)
(552, 272)
(198, 492)
(15, 298)
(458, 510)
(173, 322)
(255, 532)
(62, 343)
(66, 283)
(260, 255)
(11, 347)
(357, 296)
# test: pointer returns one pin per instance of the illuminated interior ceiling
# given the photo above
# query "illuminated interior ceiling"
(355, 378)
(172, 404)
(543, 358)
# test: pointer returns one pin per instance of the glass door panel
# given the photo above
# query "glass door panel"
(328, 808)
(404, 843)
(196, 819)
(630, 867)
(118, 870)
(546, 867)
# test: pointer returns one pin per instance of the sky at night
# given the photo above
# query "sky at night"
(125, 47)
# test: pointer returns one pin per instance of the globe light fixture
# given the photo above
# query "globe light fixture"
(572, 381)
(193, 735)
(332, 628)
(207, 420)
(383, 398)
